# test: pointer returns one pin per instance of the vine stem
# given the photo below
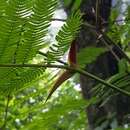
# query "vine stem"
(74, 69)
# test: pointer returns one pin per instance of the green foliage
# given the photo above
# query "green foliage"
(65, 36)
(122, 65)
(128, 13)
(121, 80)
(122, 129)
(57, 114)
(23, 28)
(88, 55)
(75, 4)
(24, 24)
(67, 2)
(66, 109)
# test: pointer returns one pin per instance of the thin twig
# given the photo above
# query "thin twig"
(101, 38)
(60, 61)
(58, 19)
(108, 39)
(109, 42)
(89, 25)
(74, 69)
(33, 65)
(108, 46)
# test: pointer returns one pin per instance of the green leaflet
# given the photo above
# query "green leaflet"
(88, 55)
(23, 25)
(65, 36)
(15, 79)
(121, 80)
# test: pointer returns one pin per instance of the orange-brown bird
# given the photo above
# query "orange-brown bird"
(72, 60)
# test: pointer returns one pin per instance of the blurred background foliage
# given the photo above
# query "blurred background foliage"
(66, 108)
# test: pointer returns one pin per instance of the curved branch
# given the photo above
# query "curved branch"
(74, 69)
